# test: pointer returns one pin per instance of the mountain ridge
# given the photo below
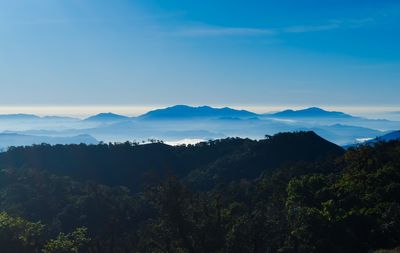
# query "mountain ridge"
(395, 135)
(106, 116)
(132, 166)
(315, 112)
(185, 111)
(182, 111)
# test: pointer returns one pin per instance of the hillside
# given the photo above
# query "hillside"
(131, 165)
(292, 193)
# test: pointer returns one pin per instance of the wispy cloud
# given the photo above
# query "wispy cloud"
(331, 25)
(222, 31)
(215, 31)
(310, 28)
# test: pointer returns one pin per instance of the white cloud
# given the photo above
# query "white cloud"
(215, 31)
(361, 140)
(204, 31)
(310, 28)
(185, 141)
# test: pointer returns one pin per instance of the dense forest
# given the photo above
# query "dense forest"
(291, 192)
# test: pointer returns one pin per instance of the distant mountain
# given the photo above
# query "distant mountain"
(14, 139)
(107, 117)
(32, 117)
(204, 122)
(63, 118)
(344, 134)
(387, 137)
(310, 112)
(184, 111)
(18, 116)
(390, 136)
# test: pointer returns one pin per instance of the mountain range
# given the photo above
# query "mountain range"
(313, 112)
(188, 112)
(185, 111)
(181, 122)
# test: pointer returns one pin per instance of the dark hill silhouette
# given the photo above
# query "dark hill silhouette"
(133, 165)
(255, 157)
(184, 111)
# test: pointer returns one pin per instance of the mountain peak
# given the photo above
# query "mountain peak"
(106, 116)
(311, 112)
(186, 112)
(314, 109)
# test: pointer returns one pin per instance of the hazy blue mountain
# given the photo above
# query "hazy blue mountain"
(106, 117)
(59, 118)
(14, 139)
(395, 135)
(181, 122)
(211, 128)
(386, 137)
(31, 118)
(344, 134)
(187, 112)
(390, 136)
(18, 116)
(312, 112)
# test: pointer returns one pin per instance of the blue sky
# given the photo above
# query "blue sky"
(157, 52)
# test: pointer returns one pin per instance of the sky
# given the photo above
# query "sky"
(149, 53)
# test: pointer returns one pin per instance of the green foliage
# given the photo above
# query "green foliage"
(68, 243)
(19, 235)
(397, 250)
(355, 210)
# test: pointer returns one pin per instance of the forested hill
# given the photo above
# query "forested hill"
(290, 193)
(204, 164)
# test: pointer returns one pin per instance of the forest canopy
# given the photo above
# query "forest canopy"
(291, 192)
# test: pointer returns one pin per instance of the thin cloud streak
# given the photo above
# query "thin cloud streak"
(215, 31)
(305, 29)
(223, 31)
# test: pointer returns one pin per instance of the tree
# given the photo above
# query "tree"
(74, 242)
(19, 236)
